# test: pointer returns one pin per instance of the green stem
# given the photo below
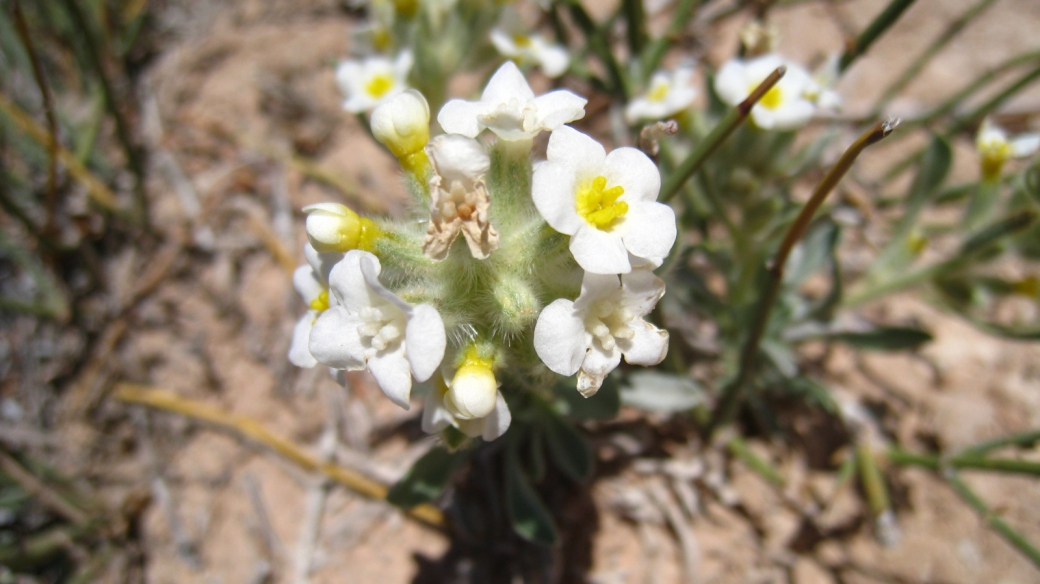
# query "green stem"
(963, 461)
(718, 135)
(980, 112)
(872, 480)
(740, 449)
(1023, 440)
(635, 25)
(48, 109)
(133, 156)
(655, 50)
(996, 522)
(600, 46)
(952, 30)
(875, 29)
(732, 392)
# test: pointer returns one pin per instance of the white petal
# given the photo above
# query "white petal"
(640, 291)
(601, 362)
(322, 263)
(461, 117)
(554, 60)
(359, 103)
(759, 68)
(648, 347)
(553, 189)
(348, 77)
(299, 351)
(370, 269)
(335, 342)
(793, 115)
(498, 421)
(507, 84)
(557, 108)
(599, 252)
(1025, 145)
(403, 65)
(576, 151)
(649, 230)
(307, 284)
(763, 118)
(634, 172)
(731, 82)
(435, 417)
(425, 341)
(391, 370)
(559, 337)
(347, 283)
(503, 42)
(595, 286)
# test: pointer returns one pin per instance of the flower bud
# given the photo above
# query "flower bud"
(403, 123)
(457, 158)
(517, 304)
(473, 392)
(332, 227)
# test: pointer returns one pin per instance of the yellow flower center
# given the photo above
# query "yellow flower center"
(993, 155)
(379, 85)
(321, 303)
(522, 41)
(599, 205)
(658, 92)
(772, 99)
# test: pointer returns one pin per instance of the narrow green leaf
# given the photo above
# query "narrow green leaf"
(427, 478)
(530, 519)
(567, 448)
(894, 338)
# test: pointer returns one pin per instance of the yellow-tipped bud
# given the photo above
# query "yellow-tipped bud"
(334, 227)
(403, 124)
(473, 392)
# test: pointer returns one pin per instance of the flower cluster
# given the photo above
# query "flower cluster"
(557, 257)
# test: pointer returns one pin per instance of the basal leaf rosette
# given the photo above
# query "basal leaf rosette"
(607, 203)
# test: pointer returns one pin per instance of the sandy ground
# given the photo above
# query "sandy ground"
(236, 87)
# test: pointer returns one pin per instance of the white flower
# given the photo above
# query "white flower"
(402, 124)
(459, 199)
(589, 335)
(553, 59)
(606, 203)
(784, 107)
(820, 89)
(995, 148)
(509, 108)
(312, 284)
(372, 81)
(438, 415)
(668, 95)
(370, 327)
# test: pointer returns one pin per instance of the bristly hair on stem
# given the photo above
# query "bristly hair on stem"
(732, 392)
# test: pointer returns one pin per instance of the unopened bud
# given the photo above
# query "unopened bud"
(474, 390)
(517, 302)
(403, 124)
(332, 227)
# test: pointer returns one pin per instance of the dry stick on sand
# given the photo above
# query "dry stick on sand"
(253, 430)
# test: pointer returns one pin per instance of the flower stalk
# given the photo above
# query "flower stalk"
(718, 135)
(732, 392)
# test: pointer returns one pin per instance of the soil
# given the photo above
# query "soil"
(233, 89)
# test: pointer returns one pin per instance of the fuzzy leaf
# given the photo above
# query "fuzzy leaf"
(894, 338)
